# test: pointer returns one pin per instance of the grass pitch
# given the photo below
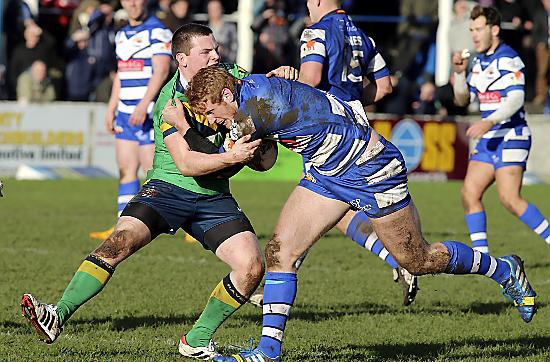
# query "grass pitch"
(347, 309)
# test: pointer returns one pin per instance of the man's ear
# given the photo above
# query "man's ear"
(495, 30)
(227, 95)
(181, 58)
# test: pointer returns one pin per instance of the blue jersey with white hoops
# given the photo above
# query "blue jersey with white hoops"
(135, 48)
(332, 138)
(346, 53)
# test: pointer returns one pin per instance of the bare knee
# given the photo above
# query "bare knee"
(117, 247)
(470, 195)
(249, 274)
(513, 203)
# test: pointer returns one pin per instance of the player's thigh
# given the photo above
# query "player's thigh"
(130, 235)
(146, 154)
(479, 176)
(127, 154)
(305, 217)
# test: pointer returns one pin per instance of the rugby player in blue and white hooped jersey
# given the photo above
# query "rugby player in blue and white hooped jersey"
(352, 167)
(497, 80)
(337, 57)
(143, 54)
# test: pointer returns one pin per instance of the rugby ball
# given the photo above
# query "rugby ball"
(265, 156)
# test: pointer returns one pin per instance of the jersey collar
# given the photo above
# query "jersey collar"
(337, 11)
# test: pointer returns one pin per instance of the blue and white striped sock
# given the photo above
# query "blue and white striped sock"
(465, 260)
(477, 226)
(357, 232)
(279, 295)
(536, 221)
(125, 193)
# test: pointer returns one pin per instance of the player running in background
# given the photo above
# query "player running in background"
(143, 54)
(500, 156)
(337, 57)
(353, 168)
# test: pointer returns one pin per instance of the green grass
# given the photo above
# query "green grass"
(347, 308)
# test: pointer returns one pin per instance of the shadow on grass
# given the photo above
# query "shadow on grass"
(471, 349)
(132, 322)
(312, 313)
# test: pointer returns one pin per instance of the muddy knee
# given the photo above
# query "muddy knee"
(117, 247)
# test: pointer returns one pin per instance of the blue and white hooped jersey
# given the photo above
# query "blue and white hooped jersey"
(490, 80)
(135, 48)
(331, 139)
(346, 53)
(315, 124)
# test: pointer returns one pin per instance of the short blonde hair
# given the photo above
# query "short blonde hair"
(208, 84)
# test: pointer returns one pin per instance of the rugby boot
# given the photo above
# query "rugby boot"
(518, 289)
(202, 353)
(254, 355)
(42, 316)
(409, 284)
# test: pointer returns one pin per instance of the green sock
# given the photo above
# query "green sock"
(224, 301)
(89, 279)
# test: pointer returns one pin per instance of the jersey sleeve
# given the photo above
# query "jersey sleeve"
(376, 67)
(313, 45)
(512, 76)
(160, 41)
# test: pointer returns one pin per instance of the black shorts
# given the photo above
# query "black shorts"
(211, 219)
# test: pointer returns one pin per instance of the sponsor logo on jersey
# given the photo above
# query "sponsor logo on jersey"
(489, 97)
(131, 65)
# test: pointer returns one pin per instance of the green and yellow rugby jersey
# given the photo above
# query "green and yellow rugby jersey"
(164, 167)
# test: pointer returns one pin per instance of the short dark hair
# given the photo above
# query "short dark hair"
(491, 14)
(181, 40)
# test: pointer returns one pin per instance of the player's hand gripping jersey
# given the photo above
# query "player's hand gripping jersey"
(164, 167)
(342, 75)
(324, 131)
(491, 79)
(135, 48)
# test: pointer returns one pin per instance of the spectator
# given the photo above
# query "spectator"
(415, 36)
(178, 15)
(225, 33)
(273, 37)
(101, 47)
(426, 103)
(17, 17)
(81, 15)
(38, 45)
(79, 74)
(459, 30)
(34, 86)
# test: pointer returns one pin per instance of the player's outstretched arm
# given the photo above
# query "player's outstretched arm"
(284, 71)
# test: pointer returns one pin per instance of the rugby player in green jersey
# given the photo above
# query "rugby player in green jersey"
(185, 189)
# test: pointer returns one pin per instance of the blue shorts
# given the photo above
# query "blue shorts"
(144, 133)
(377, 187)
(194, 213)
(508, 147)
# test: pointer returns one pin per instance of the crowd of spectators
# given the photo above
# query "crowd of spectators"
(64, 50)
